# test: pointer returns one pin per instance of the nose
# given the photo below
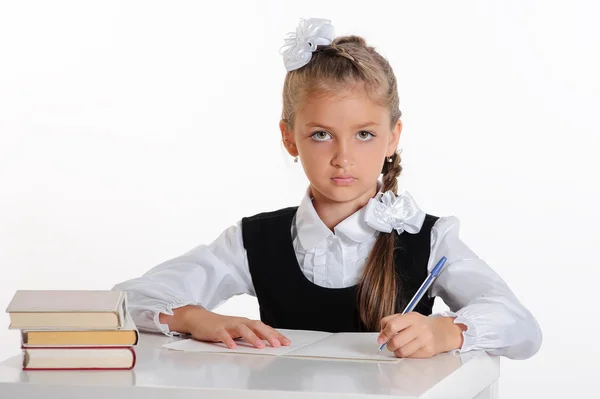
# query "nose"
(343, 157)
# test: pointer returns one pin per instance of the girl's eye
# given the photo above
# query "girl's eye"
(364, 135)
(321, 136)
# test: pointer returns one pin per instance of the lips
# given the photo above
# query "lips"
(343, 179)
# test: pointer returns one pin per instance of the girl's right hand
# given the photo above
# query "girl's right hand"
(205, 325)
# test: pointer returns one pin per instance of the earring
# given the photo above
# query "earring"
(295, 159)
(389, 159)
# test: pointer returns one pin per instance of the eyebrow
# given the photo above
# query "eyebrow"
(359, 126)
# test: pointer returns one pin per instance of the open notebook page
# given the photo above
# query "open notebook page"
(314, 344)
(356, 346)
(298, 338)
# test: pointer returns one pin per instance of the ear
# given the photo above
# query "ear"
(287, 136)
(394, 139)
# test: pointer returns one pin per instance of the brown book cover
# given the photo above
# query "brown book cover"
(127, 336)
(67, 309)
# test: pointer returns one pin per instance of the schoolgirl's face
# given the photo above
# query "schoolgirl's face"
(342, 141)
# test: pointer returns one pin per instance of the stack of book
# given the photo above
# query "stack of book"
(74, 329)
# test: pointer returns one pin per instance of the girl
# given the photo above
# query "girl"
(354, 252)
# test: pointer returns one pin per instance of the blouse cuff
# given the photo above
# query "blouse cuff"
(469, 335)
(168, 309)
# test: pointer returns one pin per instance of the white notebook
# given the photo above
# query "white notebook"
(314, 344)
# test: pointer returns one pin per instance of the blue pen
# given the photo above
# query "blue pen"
(422, 290)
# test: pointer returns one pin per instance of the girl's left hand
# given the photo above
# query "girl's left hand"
(420, 336)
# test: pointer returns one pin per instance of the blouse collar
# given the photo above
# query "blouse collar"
(384, 212)
(311, 230)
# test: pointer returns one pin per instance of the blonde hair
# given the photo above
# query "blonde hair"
(349, 62)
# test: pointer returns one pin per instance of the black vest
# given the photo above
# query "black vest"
(287, 299)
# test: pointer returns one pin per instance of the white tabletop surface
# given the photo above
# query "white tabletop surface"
(163, 373)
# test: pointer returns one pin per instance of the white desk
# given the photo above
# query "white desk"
(162, 373)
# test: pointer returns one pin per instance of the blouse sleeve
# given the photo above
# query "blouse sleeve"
(478, 297)
(205, 276)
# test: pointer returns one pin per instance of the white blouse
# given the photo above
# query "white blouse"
(210, 274)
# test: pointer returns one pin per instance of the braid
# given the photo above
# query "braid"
(379, 285)
(391, 171)
(342, 52)
(335, 50)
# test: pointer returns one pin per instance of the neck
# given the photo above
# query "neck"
(333, 212)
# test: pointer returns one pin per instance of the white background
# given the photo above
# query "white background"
(131, 132)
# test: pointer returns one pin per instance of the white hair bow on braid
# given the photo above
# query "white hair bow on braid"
(388, 211)
(299, 46)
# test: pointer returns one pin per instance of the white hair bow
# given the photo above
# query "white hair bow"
(386, 212)
(299, 46)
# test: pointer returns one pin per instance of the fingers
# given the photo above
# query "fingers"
(409, 349)
(275, 338)
(285, 341)
(403, 338)
(252, 331)
(250, 336)
(395, 323)
(227, 340)
(386, 320)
